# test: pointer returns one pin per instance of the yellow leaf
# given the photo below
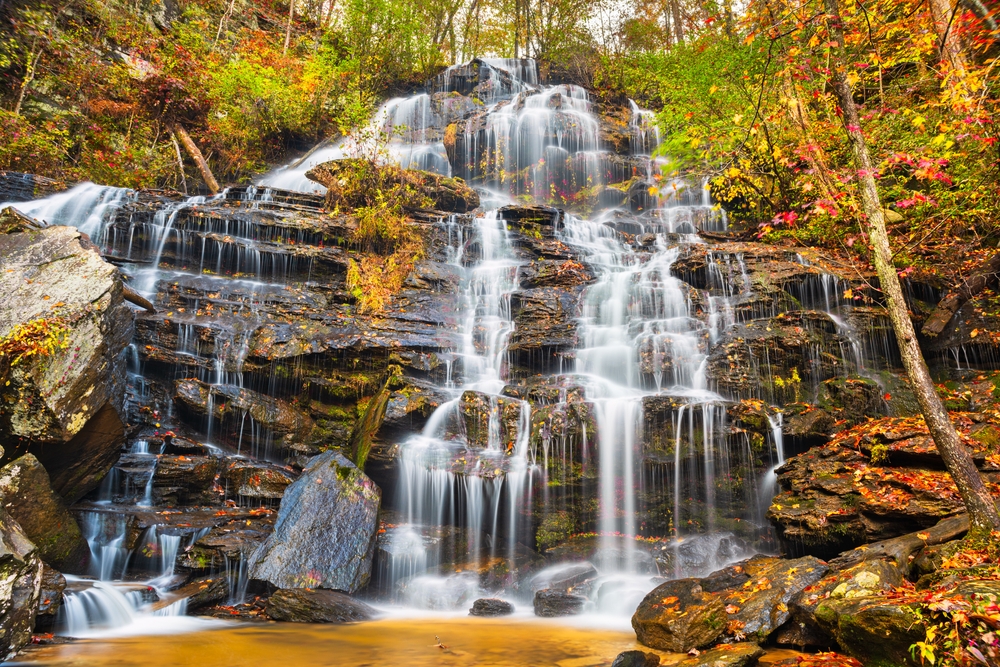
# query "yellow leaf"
(975, 332)
(711, 91)
(848, 294)
(653, 191)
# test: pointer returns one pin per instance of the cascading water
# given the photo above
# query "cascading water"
(612, 436)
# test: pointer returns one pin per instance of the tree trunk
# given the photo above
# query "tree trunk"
(288, 30)
(29, 76)
(977, 499)
(678, 26)
(180, 161)
(199, 159)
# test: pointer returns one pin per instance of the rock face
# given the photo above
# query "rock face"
(29, 499)
(232, 405)
(300, 605)
(67, 403)
(50, 597)
(679, 616)
(491, 607)
(20, 586)
(876, 481)
(550, 604)
(325, 533)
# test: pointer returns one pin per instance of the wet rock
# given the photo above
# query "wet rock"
(826, 659)
(232, 405)
(565, 428)
(185, 480)
(563, 577)
(872, 629)
(678, 616)
(199, 593)
(21, 572)
(50, 598)
(865, 579)
(29, 499)
(476, 410)
(810, 427)
(725, 655)
(410, 405)
(301, 605)
(447, 194)
(553, 273)
(256, 479)
(491, 607)
(17, 186)
(636, 659)
(727, 578)
(52, 400)
(698, 554)
(758, 358)
(550, 604)
(760, 606)
(521, 217)
(835, 497)
(545, 326)
(229, 543)
(326, 529)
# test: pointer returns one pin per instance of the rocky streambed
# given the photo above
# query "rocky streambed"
(586, 400)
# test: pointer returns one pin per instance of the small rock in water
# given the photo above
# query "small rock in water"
(491, 607)
(550, 604)
(725, 655)
(636, 659)
(304, 605)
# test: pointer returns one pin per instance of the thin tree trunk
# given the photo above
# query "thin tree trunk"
(730, 24)
(180, 161)
(977, 499)
(288, 30)
(199, 159)
(668, 32)
(678, 25)
(946, 27)
(222, 22)
(29, 76)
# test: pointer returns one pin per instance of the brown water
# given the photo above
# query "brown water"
(385, 643)
(464, 642)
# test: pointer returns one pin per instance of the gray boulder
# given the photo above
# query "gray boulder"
(302, 605)
(29, 499)
(325, 533)
(20, 586)
(66, 402)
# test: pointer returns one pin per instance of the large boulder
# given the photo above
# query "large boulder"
(760, 606)
(491, 607)
(875, 629)
(679, 616)
(29, 499)
(550, 604)
(303, 605)
(20, 586)
(325, 533)
(865, 579)
(66, 306)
